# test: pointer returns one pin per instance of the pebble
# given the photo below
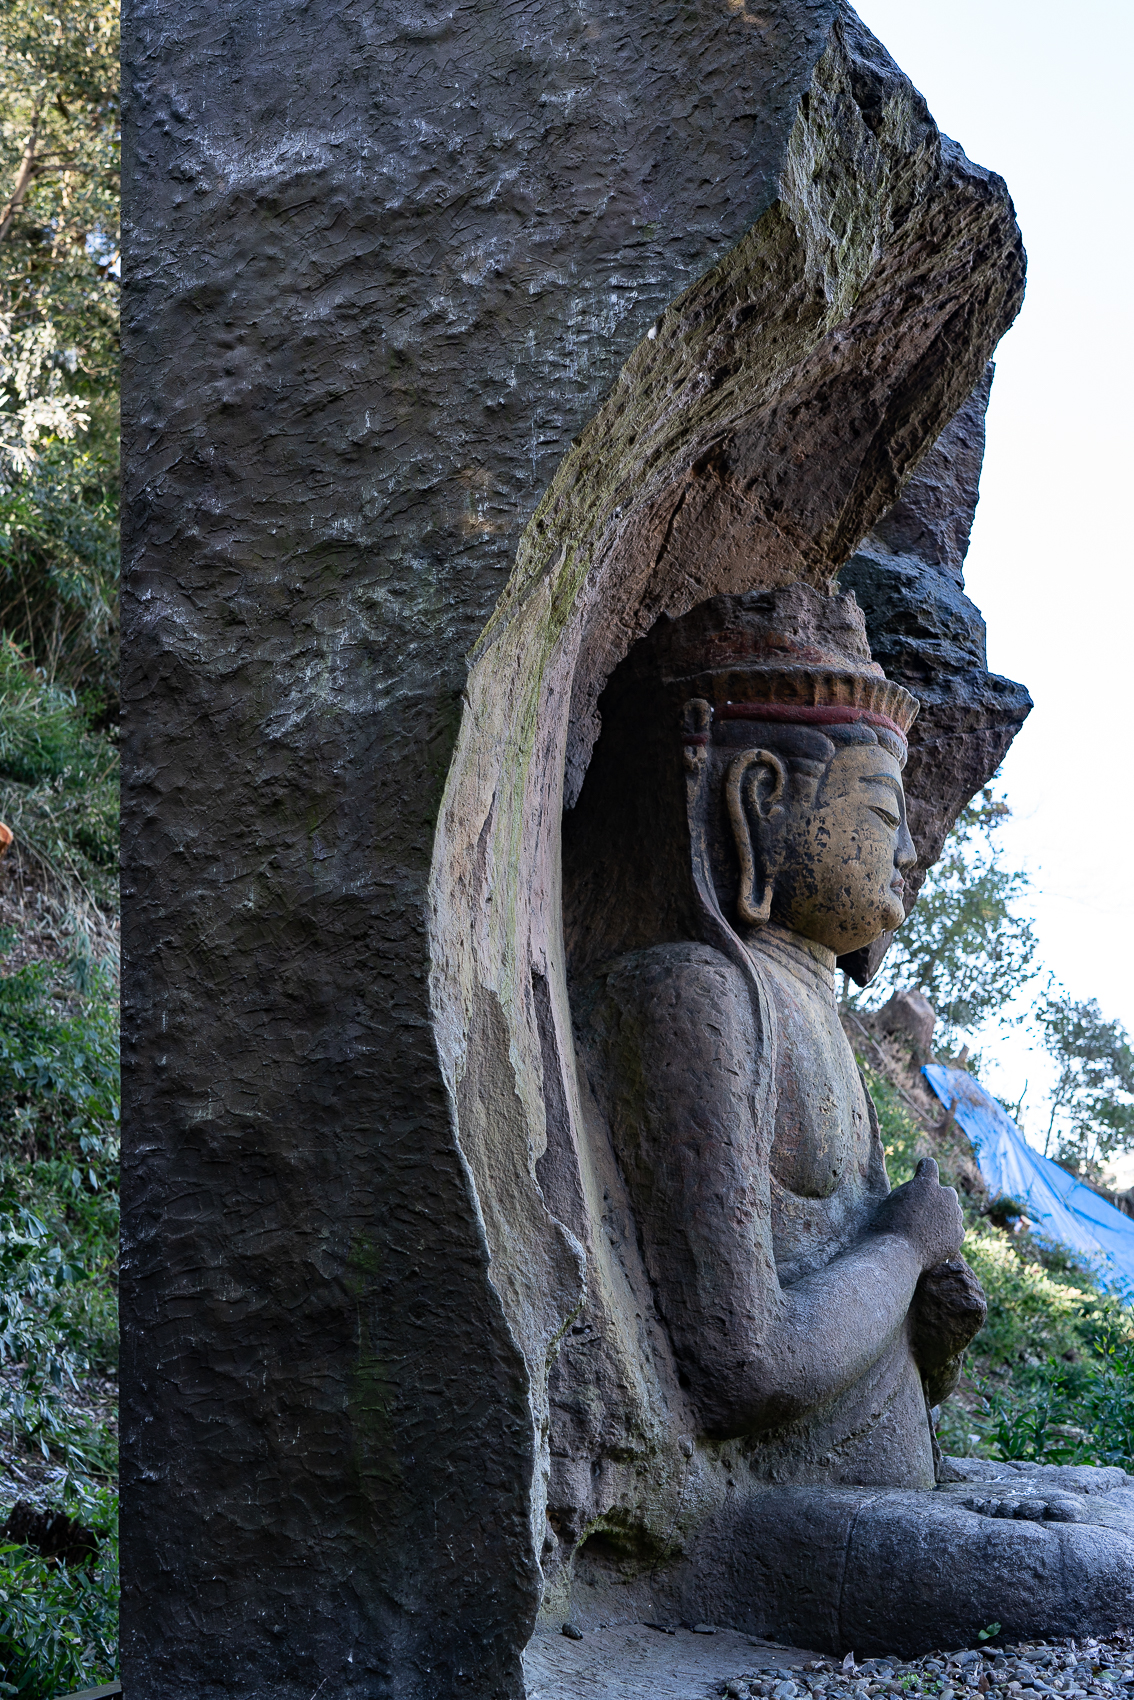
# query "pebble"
(1062, 1670)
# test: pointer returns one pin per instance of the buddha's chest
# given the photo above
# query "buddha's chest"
(823, 1141)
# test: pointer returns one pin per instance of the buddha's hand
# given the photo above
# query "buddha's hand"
(949, 1308)
(925, 1213)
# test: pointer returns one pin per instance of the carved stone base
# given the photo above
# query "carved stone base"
(1043, 1551)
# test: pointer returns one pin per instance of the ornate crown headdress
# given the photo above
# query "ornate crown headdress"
(790, 655)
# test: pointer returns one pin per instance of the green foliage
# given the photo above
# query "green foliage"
(58, 1211)
(59, 795)
(58, 1060)
(902, 1139)
(1053, 1366)
(59, 130)
(1092, 1105)
(58, 784)
(1032, 1313)
(59, 338)
(59, 566)
(58, 1303)
(59, 1626)
(964, 944)
(1080, 1412)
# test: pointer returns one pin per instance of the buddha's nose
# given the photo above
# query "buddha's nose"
(904, 853)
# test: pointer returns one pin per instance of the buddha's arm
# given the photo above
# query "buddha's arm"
(682, 1064)
(831, 1326)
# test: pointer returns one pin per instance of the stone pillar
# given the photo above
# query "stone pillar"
(497, 330)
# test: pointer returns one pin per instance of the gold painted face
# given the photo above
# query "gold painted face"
(843, 855)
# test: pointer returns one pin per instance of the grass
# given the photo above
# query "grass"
(58, 1177)
(1054, 1366)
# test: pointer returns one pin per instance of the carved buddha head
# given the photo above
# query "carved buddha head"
(821, 836)
(792, 742)
(799, 735)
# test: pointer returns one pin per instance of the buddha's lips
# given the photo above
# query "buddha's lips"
(830, 714)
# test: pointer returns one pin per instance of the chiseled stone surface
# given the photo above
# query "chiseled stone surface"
(385, 262)
(899, 1571)
(392, 277)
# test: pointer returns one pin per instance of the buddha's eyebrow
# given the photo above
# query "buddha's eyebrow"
(883, 779)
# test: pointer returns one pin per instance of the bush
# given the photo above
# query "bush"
(902, 1140)
(59, 566)
(59, 1626)
(58, 785)
(59, 1081)
(59, 795)
(59, 1098)
(1053, 1367)
(58, 1201)
(1031, 1315)
(1073, 1412)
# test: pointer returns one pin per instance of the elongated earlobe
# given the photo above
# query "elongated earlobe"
(756, 782)
(756, 914)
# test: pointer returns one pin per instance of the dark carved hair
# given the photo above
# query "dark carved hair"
(796, 742)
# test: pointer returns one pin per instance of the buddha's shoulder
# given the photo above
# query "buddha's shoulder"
(687, 975)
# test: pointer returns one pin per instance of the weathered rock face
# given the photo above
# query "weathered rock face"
(911, 1014)
(640, 309)
(907, 577)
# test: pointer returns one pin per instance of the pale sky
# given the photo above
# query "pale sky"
(1041, 94)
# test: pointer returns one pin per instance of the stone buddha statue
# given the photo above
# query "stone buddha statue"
(744, 828)
(784, 1268)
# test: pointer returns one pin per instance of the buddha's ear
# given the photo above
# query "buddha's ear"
(755, 787)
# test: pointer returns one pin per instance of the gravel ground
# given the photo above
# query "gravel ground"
(633, 1662)
(1102, 1669)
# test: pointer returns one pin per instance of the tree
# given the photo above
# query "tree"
(1092, 1104)
(58, 337)
(59, 129)
(964, 945)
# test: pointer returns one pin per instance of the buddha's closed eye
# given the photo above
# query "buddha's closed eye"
(885, 783)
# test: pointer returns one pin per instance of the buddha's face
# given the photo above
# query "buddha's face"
(831, 856)
(840, 882)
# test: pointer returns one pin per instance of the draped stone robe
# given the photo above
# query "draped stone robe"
(752, 1159)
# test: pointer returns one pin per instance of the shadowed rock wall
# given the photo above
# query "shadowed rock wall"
(636, 307)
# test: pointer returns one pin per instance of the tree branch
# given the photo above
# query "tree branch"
(24, 174)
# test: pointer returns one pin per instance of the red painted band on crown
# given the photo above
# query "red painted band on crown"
(828, 715)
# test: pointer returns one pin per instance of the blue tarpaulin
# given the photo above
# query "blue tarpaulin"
(1059, 1207)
